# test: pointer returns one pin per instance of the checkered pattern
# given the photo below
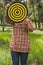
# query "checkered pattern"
(20, 40)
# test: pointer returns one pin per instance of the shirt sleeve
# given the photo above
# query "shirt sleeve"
(7, 19)
(29, 25)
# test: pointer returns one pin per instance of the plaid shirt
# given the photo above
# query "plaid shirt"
(20, 41)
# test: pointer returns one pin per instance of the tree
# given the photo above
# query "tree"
(2, 12)
(35, 11)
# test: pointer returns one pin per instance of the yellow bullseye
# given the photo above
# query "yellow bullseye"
(17, 12)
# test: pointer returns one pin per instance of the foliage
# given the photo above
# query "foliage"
(35, 9)
(2, 10)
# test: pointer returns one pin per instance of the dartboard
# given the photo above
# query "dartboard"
(17, 12)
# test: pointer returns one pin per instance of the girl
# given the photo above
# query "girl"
(20, 42)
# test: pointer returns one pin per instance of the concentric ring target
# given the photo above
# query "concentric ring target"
(17, 12)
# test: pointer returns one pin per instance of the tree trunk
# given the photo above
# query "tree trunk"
(2, 23)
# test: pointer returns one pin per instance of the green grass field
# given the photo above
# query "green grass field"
(35, 56)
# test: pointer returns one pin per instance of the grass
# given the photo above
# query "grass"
(4, 48)
(36, 52)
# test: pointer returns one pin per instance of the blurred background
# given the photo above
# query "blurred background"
(35, 13)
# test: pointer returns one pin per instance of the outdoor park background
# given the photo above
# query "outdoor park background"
(35, 12)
